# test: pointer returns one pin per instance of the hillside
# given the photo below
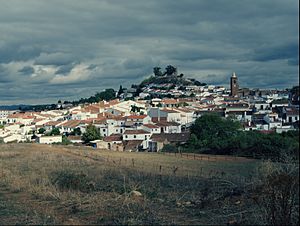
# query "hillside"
(176, 80)
(42, 184)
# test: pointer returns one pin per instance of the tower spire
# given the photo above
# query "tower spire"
(234, 86)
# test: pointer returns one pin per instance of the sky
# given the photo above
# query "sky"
(68, 49)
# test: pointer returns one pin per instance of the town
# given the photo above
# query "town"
(157, 112)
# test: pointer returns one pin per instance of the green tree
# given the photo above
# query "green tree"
(65, 141)
(214, 132)
(41, 130)
(92, 133)
(54, 132)
(77, 131)
(157, 71)
(170, 70)
(108, 94)
(120, 90)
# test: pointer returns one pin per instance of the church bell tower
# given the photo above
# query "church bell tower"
(234, 86)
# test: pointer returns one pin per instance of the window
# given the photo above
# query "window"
(134, 136)
(145, 137)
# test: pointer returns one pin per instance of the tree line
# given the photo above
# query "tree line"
(212, 134)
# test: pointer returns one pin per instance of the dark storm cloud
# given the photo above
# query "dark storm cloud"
(287, 51)
(27, 70)
(54, 59)
(71, 48)
(64, 69)
(16, 52)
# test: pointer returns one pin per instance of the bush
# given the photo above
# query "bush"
(70, 180)
(92, 133)
(65, 141)
(169, 148)
(212, 134)
(279, 193)
(41, 131)
(53, 132)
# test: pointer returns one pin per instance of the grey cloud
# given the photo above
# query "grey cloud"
(57, 58)
(27, 70)
(17, 52)
(120, 42)
(293, 62)
(287, 51)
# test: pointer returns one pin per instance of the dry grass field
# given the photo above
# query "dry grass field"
(43, 184)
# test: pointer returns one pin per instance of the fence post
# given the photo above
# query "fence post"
(194, 156)
(133, 162)
(175, 169)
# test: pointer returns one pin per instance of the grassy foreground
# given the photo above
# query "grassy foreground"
(41, 184)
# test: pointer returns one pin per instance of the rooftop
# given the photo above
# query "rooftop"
(139, 131)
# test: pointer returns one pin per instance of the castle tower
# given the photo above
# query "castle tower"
(234, 86)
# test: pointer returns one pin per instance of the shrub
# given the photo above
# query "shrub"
(92, 133)
(41, 130)
(169, 148)
(279, 193)
(70, 180)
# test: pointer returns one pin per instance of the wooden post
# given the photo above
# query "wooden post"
(133, 162)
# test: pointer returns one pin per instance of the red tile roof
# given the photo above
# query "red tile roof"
(52, 123)
(136, 116)
(71, 123)
(152, 126)
(170, 101)
(139, 131)
(113, 137)
(21, 115)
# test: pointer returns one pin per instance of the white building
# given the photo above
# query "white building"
(49, 139)
(138, 135)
